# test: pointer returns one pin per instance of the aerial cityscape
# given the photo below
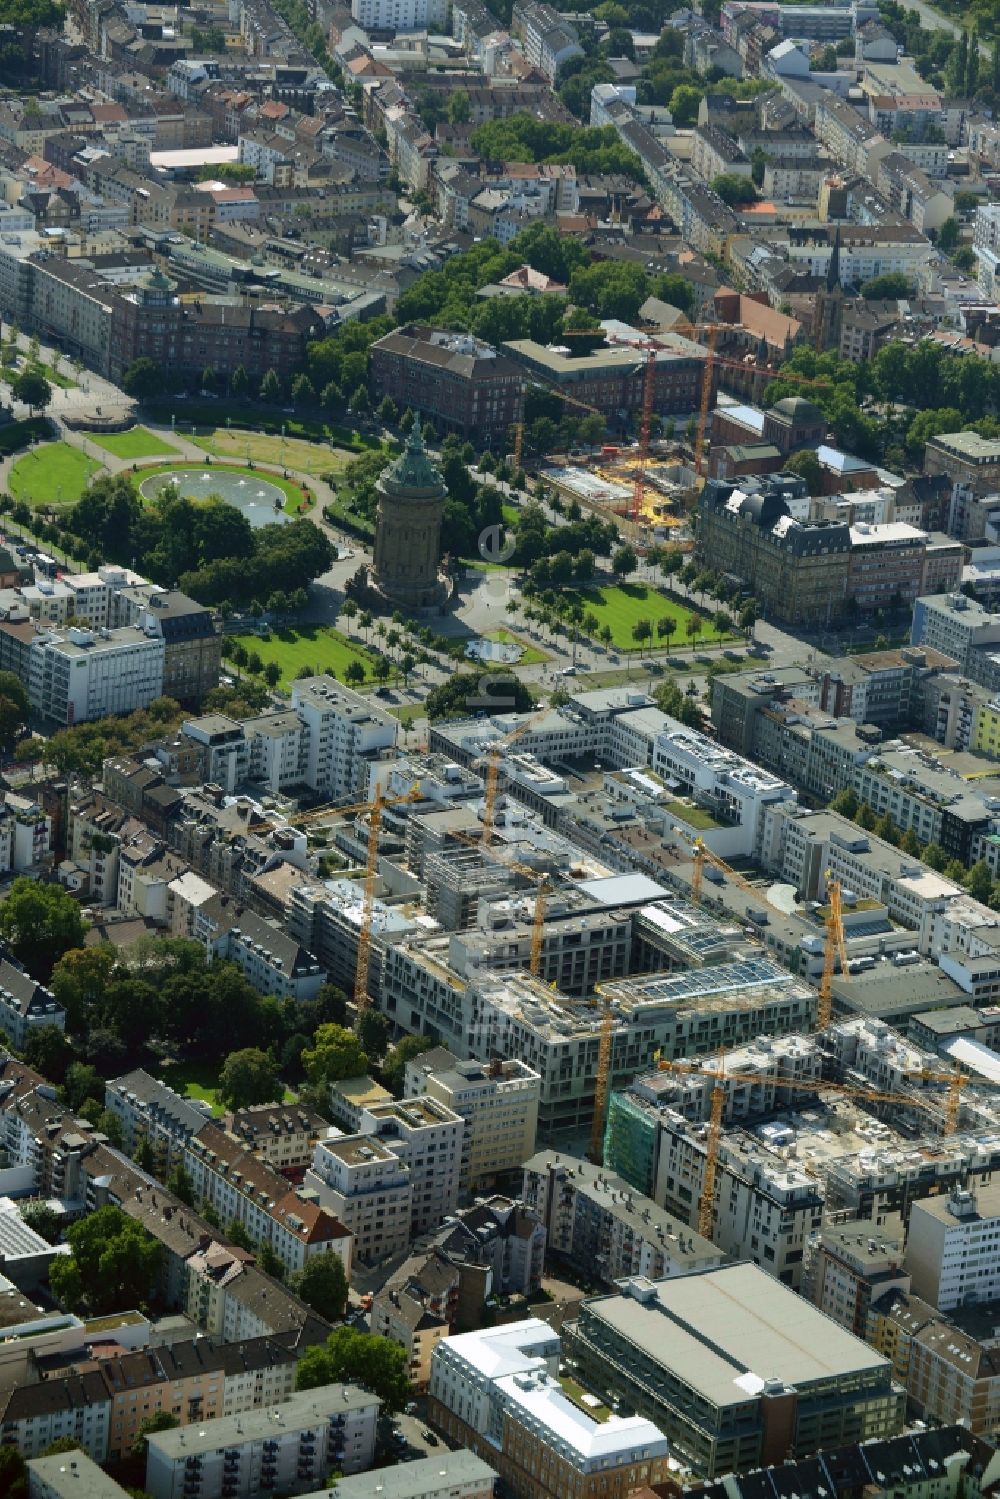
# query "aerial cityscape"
(499, 749)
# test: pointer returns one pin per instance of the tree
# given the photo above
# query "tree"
(947, 237)
(47, 1050)
(270, 388)
(889, 287)
(158, 1421)
(272, 673)
(360, 1357)
(809, 468)
(467, 693)
(208, 380)
(13, 1473)
(642, 630)
(248, 1077)
(354, 673)
(388, 411)
(693, 626)
(41, 922)
(979, 881)
(624, 561)
(113, 1265)
(683, 106)
(666, 627)
(846, 803)
(865, 818)
(373, 1032)
(359, 402)
(44, 1220)
(239, 383)
(935, 857)
(33, 389)
(81, 1082)
(143, 379)
(733, 189)
(322, 1285)
(303, 392)
(181, 1185)
(336, 1053)
(394, 1067)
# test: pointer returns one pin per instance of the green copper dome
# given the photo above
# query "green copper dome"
(413, 470)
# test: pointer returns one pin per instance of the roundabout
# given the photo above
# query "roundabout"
(261, 500)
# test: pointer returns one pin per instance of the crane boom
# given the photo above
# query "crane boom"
(602, 1082)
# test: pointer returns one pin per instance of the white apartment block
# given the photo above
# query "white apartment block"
(344, 732)
(367, 1187)
(736, 791)
(400, 15)
(498, 1101)
(290, 1448)
(275, 743)
(83, 675)
(426, 1136)
(953, 1247)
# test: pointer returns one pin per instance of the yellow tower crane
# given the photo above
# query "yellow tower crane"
(835, 947)
(602, 1083)
(491, 784)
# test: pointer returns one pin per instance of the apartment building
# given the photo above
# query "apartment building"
(344, 734)
(594, 1220)
(498, 1102)
(26, 1005)
(674, 1015)
(246, 1190)
(426, 1136)
(408, 1315)
(735, 791)
(367, 1187)
(77, 1408)
(283, 1135)
(291, 1447)
(674, 1351)
(966, 458)
(954, 625)
(497, 1394)
(458, 381)
(852, 1265)
(150, 1111)
(949, 1370)
(549, 41)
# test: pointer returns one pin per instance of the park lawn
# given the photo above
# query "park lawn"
(198, 1080)
(620, 606)
(532, 655)
(53, 474)
(509, 514)
(137, 442)
(296, 453)
(316, 646)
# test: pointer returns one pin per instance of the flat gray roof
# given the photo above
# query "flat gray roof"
(75, 1474)
(431, 1475)
(725, 1332)
(307, 1408)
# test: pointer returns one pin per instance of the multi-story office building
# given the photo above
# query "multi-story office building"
(499, 1103)
(461, 383)
(497, 1394)
(611, 379)
(966, 458)
(735, 791)
(291, 1447)
(80, 675)
(955, 625)
(691, 1355)
(953, 1247)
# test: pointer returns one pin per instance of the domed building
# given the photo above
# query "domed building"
(794, 423)
(411, 496)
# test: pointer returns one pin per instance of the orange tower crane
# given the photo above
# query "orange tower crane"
(707, 383)
(362, 998)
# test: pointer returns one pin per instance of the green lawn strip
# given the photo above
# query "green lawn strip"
(226, 443)
(190, 415)
(54, 377)
(621, 606)
(532, 655)
(509, 514)
(291, 490)
(576, 1393)
(137, 442)
(53, 474)
(316, 646)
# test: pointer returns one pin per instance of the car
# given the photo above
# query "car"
(429, 1436)
(568, 671)
(411, 1408)
(732, 655)
(382, 692)
(757, 648)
